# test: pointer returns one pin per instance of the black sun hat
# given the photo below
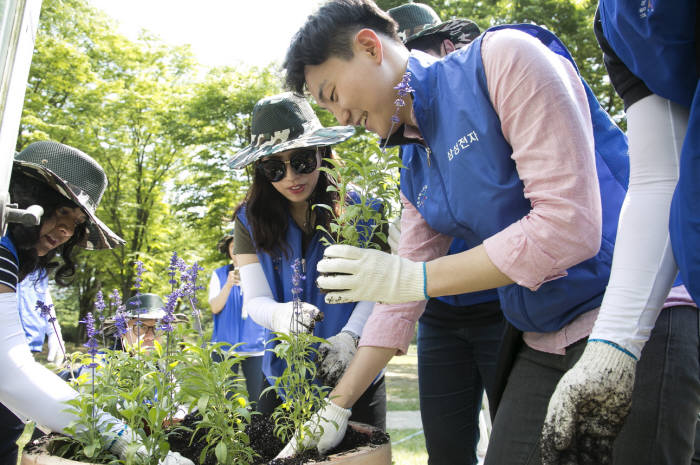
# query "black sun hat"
(283, 122)
(74, 175)
(418, 20)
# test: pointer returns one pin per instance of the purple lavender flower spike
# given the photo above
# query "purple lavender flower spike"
(404, 88)
(45, 311)
(91, 343)
(99, 303)
(166, 323)
(120, 323)
(138, 280)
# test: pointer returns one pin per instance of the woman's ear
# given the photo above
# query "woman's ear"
(369, 43)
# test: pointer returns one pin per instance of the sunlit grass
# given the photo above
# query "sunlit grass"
(408, 448)
(402, 382)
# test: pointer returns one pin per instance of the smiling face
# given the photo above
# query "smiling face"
(360, 91)
(295, 187)
(58, 229)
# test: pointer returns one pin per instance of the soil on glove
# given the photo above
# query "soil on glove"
(265, 443)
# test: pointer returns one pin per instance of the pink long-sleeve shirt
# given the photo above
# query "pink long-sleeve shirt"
(545, 118)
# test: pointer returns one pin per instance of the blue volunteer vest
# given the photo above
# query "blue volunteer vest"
(36, 327)
(278, 271)
(655, 39)
(230, 327)
(470, 160)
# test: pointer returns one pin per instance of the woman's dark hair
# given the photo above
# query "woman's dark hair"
(25, 191)
(267, 209)
(224, 244)
(328, 33)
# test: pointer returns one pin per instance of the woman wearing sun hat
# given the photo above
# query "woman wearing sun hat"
(68, 185)
(276, 226)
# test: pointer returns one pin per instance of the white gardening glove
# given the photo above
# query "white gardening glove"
(325, 430)
(394, 235)
(368, 274)
(589, 407)
(334, 357)
(127, 440)
(288, 321)
(56, 346)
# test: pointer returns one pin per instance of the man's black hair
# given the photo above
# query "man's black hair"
(328, 33)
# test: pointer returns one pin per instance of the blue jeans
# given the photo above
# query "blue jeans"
(454, 367)
(660, 429)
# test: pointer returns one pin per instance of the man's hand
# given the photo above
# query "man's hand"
(335, 356)
(56, 345)
(589, 407)
(368, 274)
(325, 430)
(287, 320)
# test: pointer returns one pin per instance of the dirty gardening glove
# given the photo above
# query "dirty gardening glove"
(126, 441)
(325, 430)
(368, 274)
(335, 355)
(589, 407)
(288, 321)
(55, 344)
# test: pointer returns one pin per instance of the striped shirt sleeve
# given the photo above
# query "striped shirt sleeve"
(8, 268)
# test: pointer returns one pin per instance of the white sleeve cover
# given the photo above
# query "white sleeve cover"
(28, 388)
(359, 317)
(257, 295)
(643, 268)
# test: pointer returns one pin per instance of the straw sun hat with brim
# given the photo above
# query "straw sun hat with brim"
(74, 175)
(418, 20)
(284, 122)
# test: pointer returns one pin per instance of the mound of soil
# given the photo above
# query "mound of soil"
(265, 443)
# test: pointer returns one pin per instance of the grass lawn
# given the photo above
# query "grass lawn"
(410, 449)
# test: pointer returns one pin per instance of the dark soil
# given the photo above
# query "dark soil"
(266, 445)
(262, 440)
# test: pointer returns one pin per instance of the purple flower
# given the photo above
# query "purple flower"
(166, 323)
(115, 300)
(172, 269)
(404, 88)
(139, 272)
(297, 277)
(100, 305)
(120, 323)
(91, 343)
(46, 311)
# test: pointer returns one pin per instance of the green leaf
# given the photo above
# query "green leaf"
(220, 452)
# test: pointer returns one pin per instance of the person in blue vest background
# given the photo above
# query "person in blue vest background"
(276, 227)
(458, 337)
(233, 326)
(33, 288)
(650, 50)
(505, 145)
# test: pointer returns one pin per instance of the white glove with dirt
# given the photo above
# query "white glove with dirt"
(589, 407)
(324, 430)
(368, 274)
(288, 321)
(56, 345)
(335, 356)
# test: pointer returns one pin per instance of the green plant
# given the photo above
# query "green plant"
(367, 183)
(302, 398)
(220, 399)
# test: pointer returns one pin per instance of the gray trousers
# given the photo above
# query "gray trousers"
(660, 429)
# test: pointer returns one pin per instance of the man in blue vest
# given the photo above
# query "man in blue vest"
(516, 156)
(458, 336)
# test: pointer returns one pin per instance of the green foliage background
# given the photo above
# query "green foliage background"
(163, 128)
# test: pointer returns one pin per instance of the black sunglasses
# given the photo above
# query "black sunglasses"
(302, 162)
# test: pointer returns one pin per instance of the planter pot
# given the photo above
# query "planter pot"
(365, 455)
